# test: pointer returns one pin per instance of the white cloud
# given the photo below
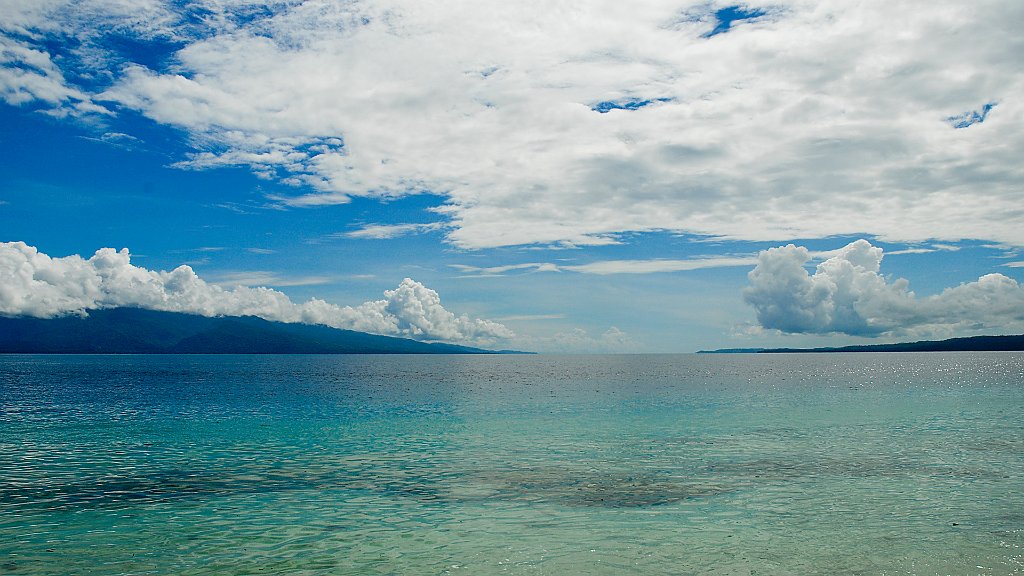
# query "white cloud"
(605, 267)
(847, 294)
(265, 278)
(310, 200)
(116, 139)
(474, 271)
(653, 266)
(912, 251)
(1014, 264)
(823, 107)
(388, 231)
(34, 284)
(925, 249)
(30, 75)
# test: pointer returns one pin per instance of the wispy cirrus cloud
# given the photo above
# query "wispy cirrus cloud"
(924, 249)
(502, 270)
(265, 278)
(388, 231)
(659, 265)
(606, 267)
(306, 200)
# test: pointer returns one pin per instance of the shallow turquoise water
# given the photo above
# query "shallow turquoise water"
(717, 464)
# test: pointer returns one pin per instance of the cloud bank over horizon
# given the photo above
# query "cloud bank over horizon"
(568, 122)
(847, 294)
(34, 284)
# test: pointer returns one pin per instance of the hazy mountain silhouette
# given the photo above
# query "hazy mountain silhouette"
(969, 344)
(137, 331)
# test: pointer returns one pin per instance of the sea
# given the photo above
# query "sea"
(738, 464)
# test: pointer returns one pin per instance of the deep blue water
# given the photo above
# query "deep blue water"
(662, 464)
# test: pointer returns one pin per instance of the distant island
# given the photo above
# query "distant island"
(137, 331)
(970, 344)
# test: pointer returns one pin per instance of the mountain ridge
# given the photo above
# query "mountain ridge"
(1011, 343)
(141, 331)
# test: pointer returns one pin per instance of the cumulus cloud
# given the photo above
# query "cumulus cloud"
(34, 284)
(848, 294)
(570, 122)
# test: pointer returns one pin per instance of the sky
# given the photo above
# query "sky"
(559, 176)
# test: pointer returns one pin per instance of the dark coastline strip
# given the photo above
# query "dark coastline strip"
(970, 344)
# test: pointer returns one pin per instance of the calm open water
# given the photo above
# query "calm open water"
(664, 464)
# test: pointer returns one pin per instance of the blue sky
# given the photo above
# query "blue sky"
(578, 178)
